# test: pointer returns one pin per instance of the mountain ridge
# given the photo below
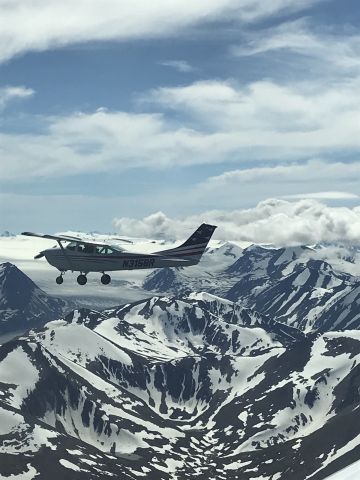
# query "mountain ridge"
(165, 404)
(190, 384)
(23, 304)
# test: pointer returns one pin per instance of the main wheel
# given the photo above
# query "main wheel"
(81, 279)
(105, 279)
(59, 280)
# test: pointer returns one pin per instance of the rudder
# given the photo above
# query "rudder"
(193, 248)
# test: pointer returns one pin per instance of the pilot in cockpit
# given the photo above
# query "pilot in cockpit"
(88, 248)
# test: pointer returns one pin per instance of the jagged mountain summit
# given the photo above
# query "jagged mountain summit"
(261, 384)
(294, 285)
(23, 305)
(200, 277)
(170, 387)
(225, 266)
(342, 312)
(295, 298)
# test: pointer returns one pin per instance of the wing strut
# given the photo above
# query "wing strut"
(65, 255)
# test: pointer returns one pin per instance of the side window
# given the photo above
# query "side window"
(81, 247)
(71, 246)
(104, 250)
(89, 248)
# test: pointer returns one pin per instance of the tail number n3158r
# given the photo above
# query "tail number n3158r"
(139, 263)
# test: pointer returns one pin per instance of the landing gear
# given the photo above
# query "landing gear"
(81, 279)
(59, 280)
(105, 279)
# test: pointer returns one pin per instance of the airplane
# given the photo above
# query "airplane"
(85, 256)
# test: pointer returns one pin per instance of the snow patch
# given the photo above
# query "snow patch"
(71, 466)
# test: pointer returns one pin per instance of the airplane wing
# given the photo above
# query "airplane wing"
(65, 238)
(69, 238)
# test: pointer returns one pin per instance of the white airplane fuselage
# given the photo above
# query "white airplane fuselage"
(81, 255)
(65, 260)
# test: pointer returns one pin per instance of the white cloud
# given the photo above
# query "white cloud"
(313, 171)
(55, 23)
(272, 221)
(234, 123)
(180, 65)
(329, 48)
(9, 93)
(101, 141)
(215, 121)
(220, 121)
(325, 195)
(312, 179)
(301, 114)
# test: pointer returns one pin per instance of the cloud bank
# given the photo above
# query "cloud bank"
(274, 221)
(332, 49)
(217, 121)
(313, 171)
(315, 178)
(287, 121)
(55, 24)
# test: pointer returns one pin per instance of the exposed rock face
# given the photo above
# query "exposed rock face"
(293, 285)
(187, 384)
(23, 305)
(178, 388)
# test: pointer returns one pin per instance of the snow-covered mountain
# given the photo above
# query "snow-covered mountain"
(343, 312)
(298, 286)
(170, 388)
(263, 384)
(22, 304)
(296, 298)
(203, 276)
(221, 268)
(344, 258)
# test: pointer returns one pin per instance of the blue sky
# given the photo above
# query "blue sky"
(119, 109)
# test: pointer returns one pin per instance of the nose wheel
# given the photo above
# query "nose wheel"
(105, 279)
(81, 279)
(59, 280)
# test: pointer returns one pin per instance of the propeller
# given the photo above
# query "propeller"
(39, 255)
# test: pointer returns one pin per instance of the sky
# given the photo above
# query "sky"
(132, 115)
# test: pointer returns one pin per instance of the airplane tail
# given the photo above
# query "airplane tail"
(194, 246)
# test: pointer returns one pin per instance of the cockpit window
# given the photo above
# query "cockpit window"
(89, 248)
(86, 248)
(101, 250)
(106, 250)
(71, 246)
